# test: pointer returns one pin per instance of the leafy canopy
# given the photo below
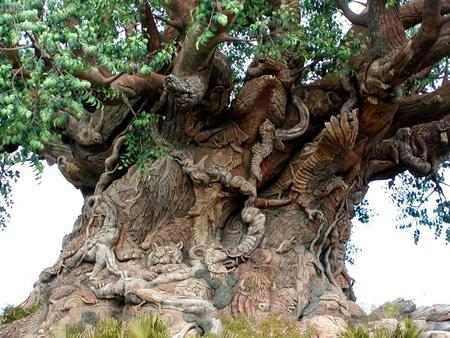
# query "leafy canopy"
(45, 45)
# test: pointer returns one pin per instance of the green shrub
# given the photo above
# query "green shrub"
(11, 313)
(392, 310)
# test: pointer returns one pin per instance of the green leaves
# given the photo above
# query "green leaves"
(204, 38)
(161, 58)
(144, 143)
(221, 19)
(9, 175)
(422, 203)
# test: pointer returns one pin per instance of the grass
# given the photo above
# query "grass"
(407, 330)
(149, 326)
(145, 326)
(272, 327)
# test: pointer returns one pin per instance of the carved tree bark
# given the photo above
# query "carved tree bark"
(251, 211)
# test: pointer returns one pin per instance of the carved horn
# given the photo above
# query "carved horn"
(243, 288)
(300, 128)
(99, 126)
(194, 252)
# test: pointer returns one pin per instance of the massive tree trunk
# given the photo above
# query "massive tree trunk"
(251, 210)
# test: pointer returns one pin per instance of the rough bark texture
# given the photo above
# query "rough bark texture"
(251, 211)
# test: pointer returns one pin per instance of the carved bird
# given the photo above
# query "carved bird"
(319, 161)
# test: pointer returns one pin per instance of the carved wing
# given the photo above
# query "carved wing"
(320, 160)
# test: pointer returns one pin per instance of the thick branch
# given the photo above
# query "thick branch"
(150, 86)
(150, 30)
(439, 50)
(189, 80)
(411, 12)
(420, 150)
(179, 10)
(422, 108)
(385, 28)
(390, 71)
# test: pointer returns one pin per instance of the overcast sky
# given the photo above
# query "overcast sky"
(388, 266)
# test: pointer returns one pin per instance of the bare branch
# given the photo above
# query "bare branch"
(439, 50)
(172, 23)
(150, 30)
(4, 49)
(422, 108)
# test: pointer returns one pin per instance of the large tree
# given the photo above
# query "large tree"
(222, 147)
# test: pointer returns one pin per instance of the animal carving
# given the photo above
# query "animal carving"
(86, 133)
(261, 150)
(255, 233)
(315, 169)
(262, 97)
(253, 297)
(165, 254)
(213, 258)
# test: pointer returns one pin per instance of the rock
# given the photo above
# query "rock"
(399, 308)
(355, 310)
(435, 313)
(435, 334)
(332, 303)
(324, 326)
(438, 326)
(386, 323)
(421, 324)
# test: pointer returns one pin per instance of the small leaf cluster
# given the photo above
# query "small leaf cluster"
(10, 175)
(208, 20)
(363, 212)
(143, 143)
(416, 196)
(162, 58)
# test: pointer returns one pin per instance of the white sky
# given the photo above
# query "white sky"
(389, 265)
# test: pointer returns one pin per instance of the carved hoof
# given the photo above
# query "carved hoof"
(149, 275)
(130, 254)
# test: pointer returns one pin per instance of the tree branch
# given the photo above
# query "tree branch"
(179, 11)
(189, 80)
(421, 43)
(390, 71)
(411, 12)
(420, 150)
(174, 24)
(422, 109)
(150, 31)
(439, 50)
(5, 49)
(355, 19)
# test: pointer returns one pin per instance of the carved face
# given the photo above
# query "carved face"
(89, 136)
(253, 298)
(213, 256)
(165, 254)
